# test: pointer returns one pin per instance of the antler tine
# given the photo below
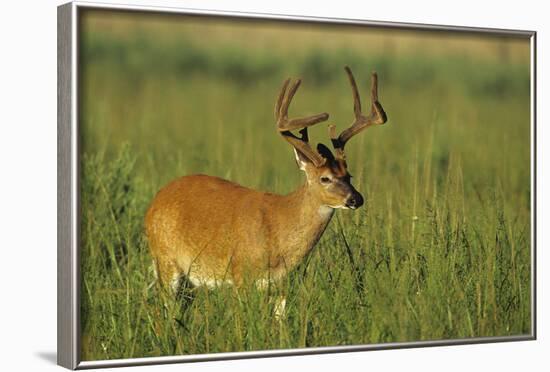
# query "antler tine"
(283, 103)
(356, 97)
(280, 99)
(377, 116)
(289, 96)
(374, 87)
(286, 125)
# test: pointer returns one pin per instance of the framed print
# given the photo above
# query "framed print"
(235, 185)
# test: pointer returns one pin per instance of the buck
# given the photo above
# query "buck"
(215, 232)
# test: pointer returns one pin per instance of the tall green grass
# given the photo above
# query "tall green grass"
(440, 250)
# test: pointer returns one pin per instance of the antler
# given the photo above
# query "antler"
(377, 116)
(286, 125)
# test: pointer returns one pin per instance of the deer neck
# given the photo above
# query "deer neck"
(310, 210)
(306, 219)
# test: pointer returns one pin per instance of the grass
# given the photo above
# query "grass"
(440, 250)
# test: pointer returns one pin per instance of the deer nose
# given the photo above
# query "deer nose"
(354, 201)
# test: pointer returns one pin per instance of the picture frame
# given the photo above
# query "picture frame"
(69, 197)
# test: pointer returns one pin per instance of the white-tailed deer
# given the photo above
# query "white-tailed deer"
(213, 231)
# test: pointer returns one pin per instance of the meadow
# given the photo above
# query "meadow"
(441, 248)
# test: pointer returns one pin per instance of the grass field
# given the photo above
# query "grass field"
(441, 248)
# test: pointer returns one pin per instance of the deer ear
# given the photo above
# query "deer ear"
(301, 160)
(325, 152)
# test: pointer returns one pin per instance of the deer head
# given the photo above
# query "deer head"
(327, 173)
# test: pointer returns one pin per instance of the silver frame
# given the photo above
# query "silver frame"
(68, 218)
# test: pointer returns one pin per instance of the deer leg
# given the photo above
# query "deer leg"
(169, 275)
(279, 311)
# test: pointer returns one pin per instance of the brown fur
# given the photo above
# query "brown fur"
(213, 231)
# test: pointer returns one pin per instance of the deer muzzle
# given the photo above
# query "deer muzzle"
(355, 200)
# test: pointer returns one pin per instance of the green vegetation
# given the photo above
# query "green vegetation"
(440, 250)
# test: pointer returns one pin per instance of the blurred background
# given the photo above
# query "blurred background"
(196, 94)
(442, 246)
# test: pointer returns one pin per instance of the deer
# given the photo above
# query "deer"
(215, 232)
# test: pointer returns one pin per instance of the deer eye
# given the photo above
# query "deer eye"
(325, 180)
